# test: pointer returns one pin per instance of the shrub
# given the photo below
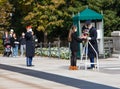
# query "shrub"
(62, 52)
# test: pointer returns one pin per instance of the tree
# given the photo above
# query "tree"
(50, 15)
(69, 8)
(110, 12)
(22, 8)
(44, 15)
(5, 14)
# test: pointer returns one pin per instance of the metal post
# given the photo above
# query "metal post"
(41, 48)
(69, 50)
(49, 54)
(59, 50)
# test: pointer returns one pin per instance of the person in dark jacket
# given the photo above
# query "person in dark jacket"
(6, 38)
(92, 37)
(30, 47)
(11, 37)
(74, 46)
(6, 42)
(15, 44)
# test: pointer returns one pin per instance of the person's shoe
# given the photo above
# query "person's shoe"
(91, 68)
(71, 68)
(30, 65)
(75, 68)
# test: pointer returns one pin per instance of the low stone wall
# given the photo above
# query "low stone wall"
(116, 41)
(116, 44)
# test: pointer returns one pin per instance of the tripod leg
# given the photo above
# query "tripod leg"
(84, 51)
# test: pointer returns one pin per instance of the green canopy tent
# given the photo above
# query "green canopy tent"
(97, 20)
(88, 14)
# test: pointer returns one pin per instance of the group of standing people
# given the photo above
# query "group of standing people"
(12, 40)
(88, 33)
(26, 43)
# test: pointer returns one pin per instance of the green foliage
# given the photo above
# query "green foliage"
(54, 52)
(6, 9)
(111, 13)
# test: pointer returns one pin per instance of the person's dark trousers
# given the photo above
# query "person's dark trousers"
(92, 61)
(73, 58)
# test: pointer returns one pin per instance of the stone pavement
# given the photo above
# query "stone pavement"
(52, 73)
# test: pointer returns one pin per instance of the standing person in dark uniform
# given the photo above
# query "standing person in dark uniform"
(74, 46)
(92, 37)
(30, 47)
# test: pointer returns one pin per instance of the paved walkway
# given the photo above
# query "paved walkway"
(51, 73)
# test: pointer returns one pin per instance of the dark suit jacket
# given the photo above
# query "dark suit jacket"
(93, 41)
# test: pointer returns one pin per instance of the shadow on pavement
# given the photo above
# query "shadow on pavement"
(81, 84)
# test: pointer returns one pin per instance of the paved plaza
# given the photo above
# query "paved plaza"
(53, 73)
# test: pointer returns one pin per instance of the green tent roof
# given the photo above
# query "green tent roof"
(88, 14)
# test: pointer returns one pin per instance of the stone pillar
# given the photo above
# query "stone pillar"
(116, 41)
